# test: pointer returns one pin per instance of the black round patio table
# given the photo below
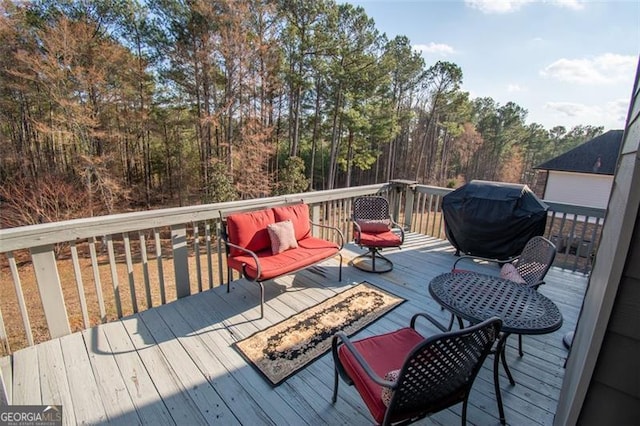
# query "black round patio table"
(476, 297)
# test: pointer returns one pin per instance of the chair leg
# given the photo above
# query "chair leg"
(340, 269)
(451, 322)
(464, 411)
(496, 376)
(460, 324)
(261, 299)
(520, 345)
(336, 380)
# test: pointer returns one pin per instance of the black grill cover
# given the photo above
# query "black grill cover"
(493, 219)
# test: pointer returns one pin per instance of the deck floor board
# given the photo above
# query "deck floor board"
(176, 364)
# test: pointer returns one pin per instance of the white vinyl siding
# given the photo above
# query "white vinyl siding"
(578, 188)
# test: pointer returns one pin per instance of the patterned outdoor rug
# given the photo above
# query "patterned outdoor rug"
(285, 348)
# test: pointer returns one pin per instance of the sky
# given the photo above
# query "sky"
(567, 62)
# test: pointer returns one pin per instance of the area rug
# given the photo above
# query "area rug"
(288, 346)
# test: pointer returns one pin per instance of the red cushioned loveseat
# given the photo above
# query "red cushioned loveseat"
(249, 245)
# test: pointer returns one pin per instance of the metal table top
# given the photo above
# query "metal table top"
(476, 297)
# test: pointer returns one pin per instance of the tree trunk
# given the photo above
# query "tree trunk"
(333, 154)
(349, 157)
(314, 138)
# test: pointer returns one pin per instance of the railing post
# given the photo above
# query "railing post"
(4, 345)
(395, 198)
(180, 260)
(410, 194)
(44, 265)
(408, 187)
(5, 398)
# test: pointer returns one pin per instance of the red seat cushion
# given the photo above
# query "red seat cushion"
(310, 250)
(299, 216)
(395, 347)
(383, 239)
(249, 230)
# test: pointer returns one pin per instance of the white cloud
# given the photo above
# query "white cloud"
(515, 88)
(437, 48)
(507, 6)
(569, 4)
(618, 109)
(496, 6)
(612, 115)
(570, 109)
(574, 70)
(604, 69)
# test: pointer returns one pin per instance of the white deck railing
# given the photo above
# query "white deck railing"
(79, 266)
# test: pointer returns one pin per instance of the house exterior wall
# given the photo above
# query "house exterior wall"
(602, 380)
(578, 188)
(613, 396)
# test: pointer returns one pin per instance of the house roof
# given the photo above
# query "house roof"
(598, 156)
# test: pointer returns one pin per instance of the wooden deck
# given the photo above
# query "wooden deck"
(175, 365)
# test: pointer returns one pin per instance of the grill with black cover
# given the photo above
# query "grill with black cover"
(492, 219)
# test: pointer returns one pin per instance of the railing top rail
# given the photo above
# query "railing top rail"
(69, 230)
(553, 205)
(436, 190)
(336, 194)
(51, 233)
(576, 209)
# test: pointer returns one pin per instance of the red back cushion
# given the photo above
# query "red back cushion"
(249, 230)
(374, 226)
(299, 216)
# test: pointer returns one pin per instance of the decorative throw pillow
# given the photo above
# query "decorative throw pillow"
(374, 226)
(387, 393)
(282, 236)
(509, 272)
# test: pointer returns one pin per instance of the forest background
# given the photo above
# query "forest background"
(109, 106)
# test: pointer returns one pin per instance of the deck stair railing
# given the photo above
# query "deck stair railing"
(57, 278)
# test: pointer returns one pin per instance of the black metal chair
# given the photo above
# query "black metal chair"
(531, 266)
(403, 376)
(374, 229)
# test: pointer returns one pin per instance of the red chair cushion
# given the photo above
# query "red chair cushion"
(383, 239)
(383, 353)
(299, 216)
(249, 230)
(310, 250)
(373, 226)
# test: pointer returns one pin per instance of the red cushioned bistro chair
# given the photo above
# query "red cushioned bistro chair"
(528, 268)
(403, 376)
(374, 229)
